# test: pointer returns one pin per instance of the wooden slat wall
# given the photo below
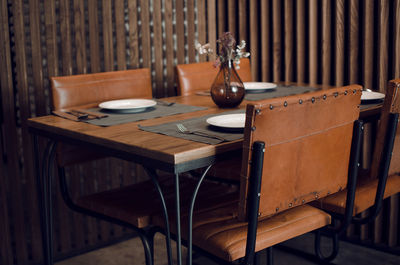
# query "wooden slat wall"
(332, 42)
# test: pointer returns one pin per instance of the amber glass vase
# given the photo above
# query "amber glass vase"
(227, 91)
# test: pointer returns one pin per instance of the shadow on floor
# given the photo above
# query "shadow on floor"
(131, 252)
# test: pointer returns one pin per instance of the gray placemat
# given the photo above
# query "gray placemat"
(198, 124)
(155, 112)
(281, 91)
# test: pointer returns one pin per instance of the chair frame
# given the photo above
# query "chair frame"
(255, 185)
(348, 218)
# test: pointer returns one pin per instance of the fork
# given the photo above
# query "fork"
(184, 130)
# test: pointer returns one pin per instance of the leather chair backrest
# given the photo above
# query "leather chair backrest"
(200, 76)
(307, 147)
(391, 104)
(88, 90)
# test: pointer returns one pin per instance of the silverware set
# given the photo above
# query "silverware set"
(184, 130)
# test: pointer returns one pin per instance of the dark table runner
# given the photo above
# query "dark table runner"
(281, 91)
(198, 124)
(157, 111)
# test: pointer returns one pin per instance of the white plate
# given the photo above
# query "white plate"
(258, 87)
(370, 95)
(128, 105)
(229, 121)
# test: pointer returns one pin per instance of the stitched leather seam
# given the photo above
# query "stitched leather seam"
(266, 231)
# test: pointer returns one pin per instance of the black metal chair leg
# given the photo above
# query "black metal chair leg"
(270, 256)
(335, 247)
(148, 253)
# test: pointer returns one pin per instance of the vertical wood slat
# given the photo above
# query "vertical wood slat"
(145, 30)
(221, 15)
(16, 188)
(108, 36)
(169, 49)
(254, 48)
(51, 38)
(265, 42)
(158, 53)
(288, 14)
(339, 43)
(133, 34)
(190, 31)
(201, 25)
(353, 47)
(300, 41)
(243, 23)
(326, 42)
(65, 31)
(94, 36)
(120, 34)
(277, 41)
(232, 17)
(368, 44)
(396, 39)
(80, 37)
(212, 26)
(180, 31)
(7, 126)
(37, 69)
(313, 41)
(383, 46)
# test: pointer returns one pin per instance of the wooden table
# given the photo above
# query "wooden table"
(128, 142)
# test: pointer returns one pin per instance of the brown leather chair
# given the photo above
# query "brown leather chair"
(196, 77)
(296, 149)
(382, 181)
(119, 205)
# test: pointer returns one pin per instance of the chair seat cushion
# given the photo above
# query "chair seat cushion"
(219, 232)
(137, 203)
(365, 196)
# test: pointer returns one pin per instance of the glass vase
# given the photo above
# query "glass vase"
(227, 91)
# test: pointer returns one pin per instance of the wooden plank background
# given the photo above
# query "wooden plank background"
(332, 42)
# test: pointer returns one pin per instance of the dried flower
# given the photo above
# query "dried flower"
(226, 51)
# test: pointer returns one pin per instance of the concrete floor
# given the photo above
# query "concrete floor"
(131, 252)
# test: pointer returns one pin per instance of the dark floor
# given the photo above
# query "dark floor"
(130, 252)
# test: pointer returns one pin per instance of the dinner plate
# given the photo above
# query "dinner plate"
(371, 96)
(228, 121)
(258, 87)
(128, 105)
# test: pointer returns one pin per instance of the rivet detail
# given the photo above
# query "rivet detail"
(313, 99)
(253, 128)
(345, 93)
(285, 104)
(336, 94)
(277, 209)
(354, 91)
(300, 101)
(303, 201)
(271, 107)
(324, 97)
(258, 111)
(290, 204)
(259, 214)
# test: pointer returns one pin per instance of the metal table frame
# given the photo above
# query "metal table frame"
(44, 177)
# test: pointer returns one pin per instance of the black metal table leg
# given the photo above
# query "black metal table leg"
(43, 181)
(193, 200)
(153, 175)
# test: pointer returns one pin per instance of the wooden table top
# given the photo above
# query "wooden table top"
(128, 139)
